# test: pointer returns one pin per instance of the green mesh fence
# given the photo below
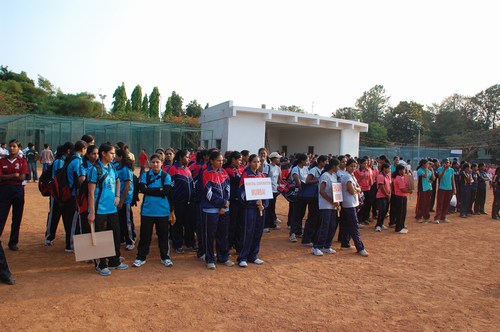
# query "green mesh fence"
(57, 130)
(413, 153)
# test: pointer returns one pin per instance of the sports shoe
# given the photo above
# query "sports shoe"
(122, 266)
(328, 250)
(316, 252)
(9, 281)
(293, 238)
(138, 263)
(193, 249)
(361, 226)
(104, 272)
(427, 221)
(403, 231)
(378, 229)
(307, 244)
(130, 247)
(211, 266)
(243, 264)
(347, 248)
(167, 262)
(278, 221)
(68, 251)
(266, 230)
(366, 222)
(446, 220)
(48, 243)
(384, 227)
(436, 221)
(363, 253)
(202, 257)
(420, 220)
(229, 263)
(289, 227)
(258, 261)
(179, 250)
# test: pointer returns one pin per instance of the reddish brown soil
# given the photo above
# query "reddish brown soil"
(436, 277)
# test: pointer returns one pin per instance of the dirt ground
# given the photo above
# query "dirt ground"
(436, 277)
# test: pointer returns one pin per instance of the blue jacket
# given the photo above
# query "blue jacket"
(216, 189)
(182, 184)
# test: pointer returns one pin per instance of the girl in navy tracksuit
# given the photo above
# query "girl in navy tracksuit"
(125, 171)
(234, 171)
(197, 174)
(182, 197)
(215, 207)
(253, 217)
(155, 184)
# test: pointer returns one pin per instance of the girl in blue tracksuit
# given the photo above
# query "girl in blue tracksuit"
(215, 211)
(88, 161)
(253, 217)
(234, 170)
(155, 184)
(182, 199)
(125, 171)
(103, 197)
(197, 169)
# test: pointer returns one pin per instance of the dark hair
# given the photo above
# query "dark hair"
(105, 147)
(90, 149)
(62, 149)
(398, 168)
(298, 158)
(385, 166)
(252, 157)
(214, 155)
(80, 145)
(465, 166)
(161, 150)
(331, 164)
(153, 156)
(350, 161)
(180, 154)
(45, 145)
(421, 163)
(245, 153)
(262, 149)
(125, 159)
(362, 160)
(87, 138)
(120, 145)
(321, 159)
(473, 165)
(480, 165)
(14, 141)
(200, 155)
(232, 155)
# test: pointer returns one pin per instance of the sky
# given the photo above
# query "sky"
(319, 55)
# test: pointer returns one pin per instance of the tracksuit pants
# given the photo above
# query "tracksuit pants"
(383, 207)
(252, 227)
(11, 196)
(443, 203)
(423, 205)
(235, 214)
(271, 212)
(184, 227)
(200, 229)
(4, 267)
(146, 233)
(299, 210)
(496, 205)
(400, 206)
(127, 227)
(351, 221)
(312, 222)
(109, 222)
(68, 212)
(216, 231)
(465, 196)
(326, 229)
(480, 200)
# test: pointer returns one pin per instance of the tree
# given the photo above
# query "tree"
(45, 85)
(120, 99)
(145, 105)
(136, 99)
(193, 109)
(292, 108)
(486, 106)
(376, 135)
(373, 104)
(403, 122)
(128, 106)
(154, 103)
(174, 105)
(207, 106)
(347, 113)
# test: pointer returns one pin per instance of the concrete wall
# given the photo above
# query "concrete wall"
(349, 142)
(325, 141)
(246, 131)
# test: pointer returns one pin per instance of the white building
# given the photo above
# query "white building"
(230, 127)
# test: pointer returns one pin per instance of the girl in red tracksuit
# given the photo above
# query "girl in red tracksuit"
(253, 217)
(215, 207)
(182, 198)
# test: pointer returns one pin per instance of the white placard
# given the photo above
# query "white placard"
(337, 192)
(258, 188)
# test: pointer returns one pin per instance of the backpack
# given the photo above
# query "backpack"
(286, 187)
(44, 180)
(60, 189)
(82, 196)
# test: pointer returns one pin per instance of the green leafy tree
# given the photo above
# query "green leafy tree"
(136, 99)
(376, 135)
(46, 85)
(404, 121)
(145, 105)
(120, 99)
(292, 108)
(154, 103)
(193, 109)
(174, 105)
(207, 106)
(373, 104)
(347, 113)
(486, 106)
(128, 106)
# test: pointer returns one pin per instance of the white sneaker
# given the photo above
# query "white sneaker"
(316, 252)
(130, 247)
(293, 238)
(229, 263)
(384, 227)
(278, 221)
(328, 251)
(243, 264)
(446, 220)
(403, 231)
(138, 263)
(267, 230)
(211, 266)
(420, 220)
(258, 261)
(363, 253)
(436, 221)
(167, 262)
(361, 226)
(378, 229)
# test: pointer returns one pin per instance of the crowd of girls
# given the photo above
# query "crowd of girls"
(197, 202)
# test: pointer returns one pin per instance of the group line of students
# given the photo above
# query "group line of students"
(206, 196)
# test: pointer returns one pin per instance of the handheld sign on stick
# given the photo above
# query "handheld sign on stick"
(258, 188)
(94, 245)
